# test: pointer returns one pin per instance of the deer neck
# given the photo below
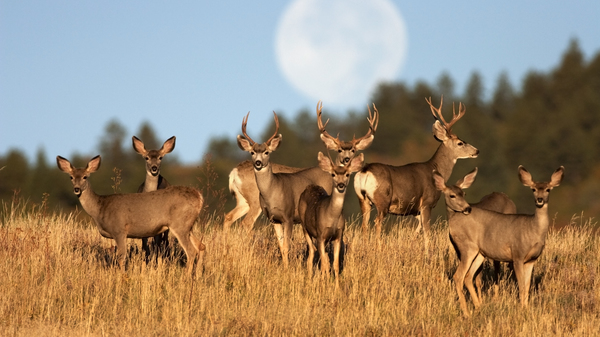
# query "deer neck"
(336, 202)
(443, 161)
(90, 201)
(542, 218)
(265, 178)
(151, 183)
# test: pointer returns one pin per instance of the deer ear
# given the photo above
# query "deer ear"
(168, 146)
(357, 163)
(557, 176)
(330, 143)
(244, 144)
(467, 180)
(525, 177)
(138, 146)
(438, 180)
(364, 143)
(275, 142)
(93, 165)
(324, 162)
(64, 165)
(439, 131)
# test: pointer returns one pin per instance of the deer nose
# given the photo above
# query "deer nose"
(258, 164)
(341, 187)
(77, 190)
(154, 170)
(346, 160)
(467, 210)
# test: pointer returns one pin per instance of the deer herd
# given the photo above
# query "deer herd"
(314, 198)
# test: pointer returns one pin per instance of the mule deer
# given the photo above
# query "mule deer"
(154, 181)
(495, 201)
(478, 233)
(409, 189)
(139, 215)
(321, 213)
(242, 181)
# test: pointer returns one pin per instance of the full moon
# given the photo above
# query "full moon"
(339, 50)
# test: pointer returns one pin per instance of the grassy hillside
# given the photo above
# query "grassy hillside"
(56, 279)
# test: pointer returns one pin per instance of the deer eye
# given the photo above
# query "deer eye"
(84, 177)
(333, 175)
(452, 196)
(147, 158)
(347, 174)
(533, 189)
(266, 153)
(547, 190)
(461, 143)
(353, 150)
(339, 151)
(252, 153)
(160, 158)
(71, 178)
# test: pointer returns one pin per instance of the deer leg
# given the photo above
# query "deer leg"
(237, 212)
(252, 214)
(337, 247)
(324, 258)
(365, 209)
(381, 214)
(497, 270)
(279, 232)
(311, 253)
(201, 248)
(520, 275)
(146, 249)
(459, 277)
(121, 241)
(524, 291)
(190, 246)
(476, 297)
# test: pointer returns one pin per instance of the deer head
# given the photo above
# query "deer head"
(260, 152)
(455, 196)
(347, 150)
(79, 176)
(442, 131)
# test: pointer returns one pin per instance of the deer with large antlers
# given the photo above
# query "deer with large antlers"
(139, 215)
(409, 189)
(478, 233)
(321, 213)
(154, 181)
(242, 182)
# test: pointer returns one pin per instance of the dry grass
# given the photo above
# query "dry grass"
(56, 278)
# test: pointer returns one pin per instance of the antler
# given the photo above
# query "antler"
(276, 128)
(322, 126)
(373, 123)
(437, 113)
(244, 123)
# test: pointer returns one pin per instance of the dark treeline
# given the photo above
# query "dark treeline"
(553, 119)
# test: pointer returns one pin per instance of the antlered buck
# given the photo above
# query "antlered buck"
(154, 181)
(409, 189)
(139, 215)
(478, 233)
(242, 181)
(321, 213)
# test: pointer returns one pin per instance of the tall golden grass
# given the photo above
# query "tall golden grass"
(56, 278)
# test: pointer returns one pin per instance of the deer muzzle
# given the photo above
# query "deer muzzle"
(77, 191)
(341, 187)
(467, 211)
(154, 170)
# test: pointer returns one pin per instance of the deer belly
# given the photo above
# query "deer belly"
(403, 207)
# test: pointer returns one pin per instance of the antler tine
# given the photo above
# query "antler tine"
(320, 122)
(455, 117)
(437, 112)
(373, 120)
(244, 123)
(276, 128)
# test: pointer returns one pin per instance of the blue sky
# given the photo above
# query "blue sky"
(193, 69)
